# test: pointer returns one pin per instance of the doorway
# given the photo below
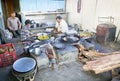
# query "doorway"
(9, 6)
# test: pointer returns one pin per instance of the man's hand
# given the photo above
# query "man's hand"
(55, 29)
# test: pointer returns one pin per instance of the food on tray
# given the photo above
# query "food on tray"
(86, 34)
(6, 49)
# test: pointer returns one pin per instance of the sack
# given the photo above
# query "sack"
(8, 34)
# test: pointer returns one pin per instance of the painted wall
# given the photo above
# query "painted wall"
(85, 17)
(91, 10)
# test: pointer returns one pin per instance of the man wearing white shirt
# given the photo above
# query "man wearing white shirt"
(61, 25)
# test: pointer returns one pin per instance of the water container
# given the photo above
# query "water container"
(105, 32)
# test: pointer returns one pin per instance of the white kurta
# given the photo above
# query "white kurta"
(62, 26)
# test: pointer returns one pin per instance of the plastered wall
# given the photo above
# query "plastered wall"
(91, 10)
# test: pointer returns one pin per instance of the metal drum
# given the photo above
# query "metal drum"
(105, 32)
(24, 69)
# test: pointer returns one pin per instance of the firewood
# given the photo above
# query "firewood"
(91, 54)
(103, 64)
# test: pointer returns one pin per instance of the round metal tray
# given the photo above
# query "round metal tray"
(24, 64)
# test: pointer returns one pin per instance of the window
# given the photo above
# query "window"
(42, 5)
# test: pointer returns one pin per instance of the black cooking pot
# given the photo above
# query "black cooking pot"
(70, 39)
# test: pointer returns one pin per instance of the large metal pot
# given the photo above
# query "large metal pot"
(70, 39)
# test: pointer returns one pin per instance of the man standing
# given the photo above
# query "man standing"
(14, 25)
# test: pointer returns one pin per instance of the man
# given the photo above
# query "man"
(26, 34)
(14, 25)
(61, 25)
(25, 30)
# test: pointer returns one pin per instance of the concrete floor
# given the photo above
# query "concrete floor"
(70, 72)
(4, 71)
(66, 72)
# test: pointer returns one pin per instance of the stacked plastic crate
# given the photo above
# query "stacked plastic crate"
(7, 54)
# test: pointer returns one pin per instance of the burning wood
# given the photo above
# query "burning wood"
(85, 55)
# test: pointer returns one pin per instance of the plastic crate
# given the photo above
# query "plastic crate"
(8, 57)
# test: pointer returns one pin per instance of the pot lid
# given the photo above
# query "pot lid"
(24, 64)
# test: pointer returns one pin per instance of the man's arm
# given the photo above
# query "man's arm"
(55, 28)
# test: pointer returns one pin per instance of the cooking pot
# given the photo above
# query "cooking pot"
(70, 39)
(36, 50)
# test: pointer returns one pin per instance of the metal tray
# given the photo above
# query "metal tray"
(24, 64)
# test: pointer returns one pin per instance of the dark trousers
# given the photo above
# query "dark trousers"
(16, 33)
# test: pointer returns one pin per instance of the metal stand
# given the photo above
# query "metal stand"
(27, 76)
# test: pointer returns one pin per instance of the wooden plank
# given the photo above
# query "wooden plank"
(91, 54)
(103, 64)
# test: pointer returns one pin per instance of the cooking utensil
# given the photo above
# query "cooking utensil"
(70, 39)
(24, 64)
(43, 36)
(37, 51)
